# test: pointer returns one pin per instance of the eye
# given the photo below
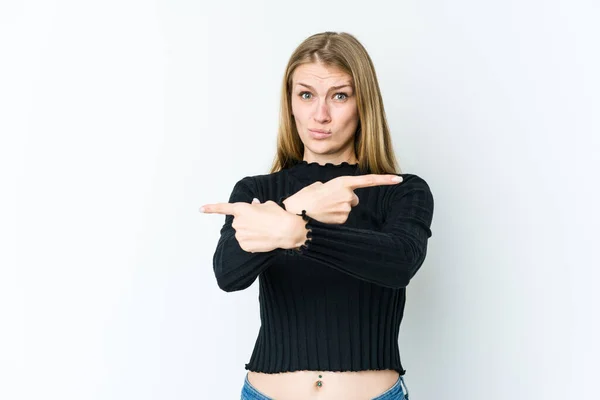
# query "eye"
(345, 95)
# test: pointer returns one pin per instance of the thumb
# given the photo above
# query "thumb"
(255, 200)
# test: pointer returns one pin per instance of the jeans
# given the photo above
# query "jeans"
(397, 392)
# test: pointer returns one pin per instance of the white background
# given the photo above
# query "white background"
(119, 119)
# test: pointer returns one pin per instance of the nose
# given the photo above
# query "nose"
(322, 113)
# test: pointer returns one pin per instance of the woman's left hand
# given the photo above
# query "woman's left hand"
(259, 227)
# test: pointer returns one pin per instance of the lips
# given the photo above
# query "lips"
(319, 134)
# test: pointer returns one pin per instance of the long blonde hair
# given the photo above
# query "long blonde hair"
(372, 140)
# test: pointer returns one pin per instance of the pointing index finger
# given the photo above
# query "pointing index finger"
(361, 181)
(219, 208)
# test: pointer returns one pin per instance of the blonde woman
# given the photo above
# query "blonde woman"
(334, 233)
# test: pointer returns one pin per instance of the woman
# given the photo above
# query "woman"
(331, 233)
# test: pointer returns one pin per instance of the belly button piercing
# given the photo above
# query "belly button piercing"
(319, 382)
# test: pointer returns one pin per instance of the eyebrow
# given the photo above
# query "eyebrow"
(333, 87)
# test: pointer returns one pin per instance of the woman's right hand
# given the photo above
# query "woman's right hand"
(332, 201)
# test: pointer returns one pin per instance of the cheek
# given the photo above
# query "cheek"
(299, 111)
(346, 116)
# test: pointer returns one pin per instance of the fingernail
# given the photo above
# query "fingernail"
(397, 179)
(201, 209)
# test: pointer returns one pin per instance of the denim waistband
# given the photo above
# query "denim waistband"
(397, 392)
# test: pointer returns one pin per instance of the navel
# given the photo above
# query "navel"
(319, 383)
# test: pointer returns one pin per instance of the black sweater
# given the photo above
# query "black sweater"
(336, 303)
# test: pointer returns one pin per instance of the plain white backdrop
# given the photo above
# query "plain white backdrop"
(119, 119)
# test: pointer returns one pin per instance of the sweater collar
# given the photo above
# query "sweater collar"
(324, 171)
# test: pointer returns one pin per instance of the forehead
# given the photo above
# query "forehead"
(320, 74)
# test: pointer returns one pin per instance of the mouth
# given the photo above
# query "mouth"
(319, 134)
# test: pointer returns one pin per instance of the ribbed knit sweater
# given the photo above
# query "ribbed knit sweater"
(336, 303)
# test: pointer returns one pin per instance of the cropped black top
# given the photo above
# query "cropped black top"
(336, 303)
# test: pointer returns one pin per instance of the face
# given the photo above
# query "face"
(323, 99)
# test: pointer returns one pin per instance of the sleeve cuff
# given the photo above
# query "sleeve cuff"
(306, 245)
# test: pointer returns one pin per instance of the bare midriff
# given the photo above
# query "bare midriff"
(303, 385)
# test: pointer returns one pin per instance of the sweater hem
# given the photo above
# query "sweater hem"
(249, 367)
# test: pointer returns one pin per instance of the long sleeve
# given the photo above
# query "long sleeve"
(389, 257)
(235, 268)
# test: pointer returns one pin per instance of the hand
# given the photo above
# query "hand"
(259, 227)
(331, 202)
